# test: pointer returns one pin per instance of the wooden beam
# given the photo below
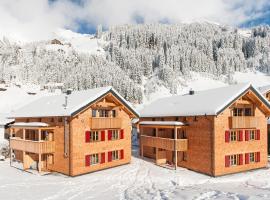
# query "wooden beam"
(39, 162)
(175, 151)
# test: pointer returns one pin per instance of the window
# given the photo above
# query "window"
(248, 112)
(252, 157)
(115, 134)
(94, 113)
(103, 113)
(94, 136)
(60, 120)
(115, 155)
(233, 160)
(233, 136)
(237, 112)
(113, 113)
(94, 159)
(252, 135)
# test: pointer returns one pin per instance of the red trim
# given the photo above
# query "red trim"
(122, 134)
(227, 161)
(227, 136)
(102, 135)
(247, 158)
(87, 136)
(240, 159)
(109, 156)
(109, 134)
(246, 135)
(258, 135)
(102, 159)
(87, 160)
(258, 156)
(122, 154)
(240, 135)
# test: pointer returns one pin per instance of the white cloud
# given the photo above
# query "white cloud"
(28, 20)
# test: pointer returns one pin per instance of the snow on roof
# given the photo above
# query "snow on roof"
(30, 124)
(264, 89)
(208, 102)
(4, 120)
(53, 105)
(164, 123)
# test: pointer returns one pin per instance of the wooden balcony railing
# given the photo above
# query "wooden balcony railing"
(243, 122)
(164, 143)
(105, 122)
(32, 146)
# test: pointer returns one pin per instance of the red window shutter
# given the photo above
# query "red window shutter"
(227, 161)
(240, 159)
(102, 160)
(258, 157)
(109, 134)
(247, 158)
(87, 160)
(87, 136)
(122, 134)
(109, 156)
(122, 154)
(227, 136)
(246, 135)
(258, 135)
(241, 135)
(102, 135)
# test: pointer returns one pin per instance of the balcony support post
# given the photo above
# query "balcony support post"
(39, 162)
(23, 133)
(175, 151)
(39, 134)
(156, 147)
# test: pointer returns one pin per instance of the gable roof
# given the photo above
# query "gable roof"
(208, 102)
(264, 89)
(49, 106)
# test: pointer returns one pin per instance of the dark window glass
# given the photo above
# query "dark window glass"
(94, 113)
(113, 113)
(247, 111)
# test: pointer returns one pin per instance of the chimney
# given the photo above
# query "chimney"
(191, 92)
(68, 92)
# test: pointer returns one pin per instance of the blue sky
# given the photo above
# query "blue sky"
(29, 20)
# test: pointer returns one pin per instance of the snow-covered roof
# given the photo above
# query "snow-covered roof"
(53, 105)
(4, 120)
(162, 123)
(30, 124)
(208, 102)
(264, 89)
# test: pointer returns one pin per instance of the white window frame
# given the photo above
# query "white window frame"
(115, 134)
(252, 135)
(94, 159)
(252, 157)
(115, 155)
(233, 160)
(94, 136)
(233, 136)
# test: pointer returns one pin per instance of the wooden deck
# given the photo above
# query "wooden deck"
(243, 122)
(38, 147)
(164, 143)
(105, 122)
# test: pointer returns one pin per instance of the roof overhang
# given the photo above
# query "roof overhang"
(162, 124)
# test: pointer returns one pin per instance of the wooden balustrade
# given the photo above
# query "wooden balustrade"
(32, 146)
(243, 122)
(105, 122)
(164, 143)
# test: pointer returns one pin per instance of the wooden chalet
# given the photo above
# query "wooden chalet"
(215, 132)
(73, 134)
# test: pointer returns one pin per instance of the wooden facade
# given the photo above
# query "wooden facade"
(232, 141)
(96, 137)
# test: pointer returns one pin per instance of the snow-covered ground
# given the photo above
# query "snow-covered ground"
(139, 180)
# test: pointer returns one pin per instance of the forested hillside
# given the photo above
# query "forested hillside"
(139, 58)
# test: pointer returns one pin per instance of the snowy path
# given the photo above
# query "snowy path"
(139, 180)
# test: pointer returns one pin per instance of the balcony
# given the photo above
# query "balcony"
(164, 143)
(105, 122)
(39, 147)
(243, 122)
